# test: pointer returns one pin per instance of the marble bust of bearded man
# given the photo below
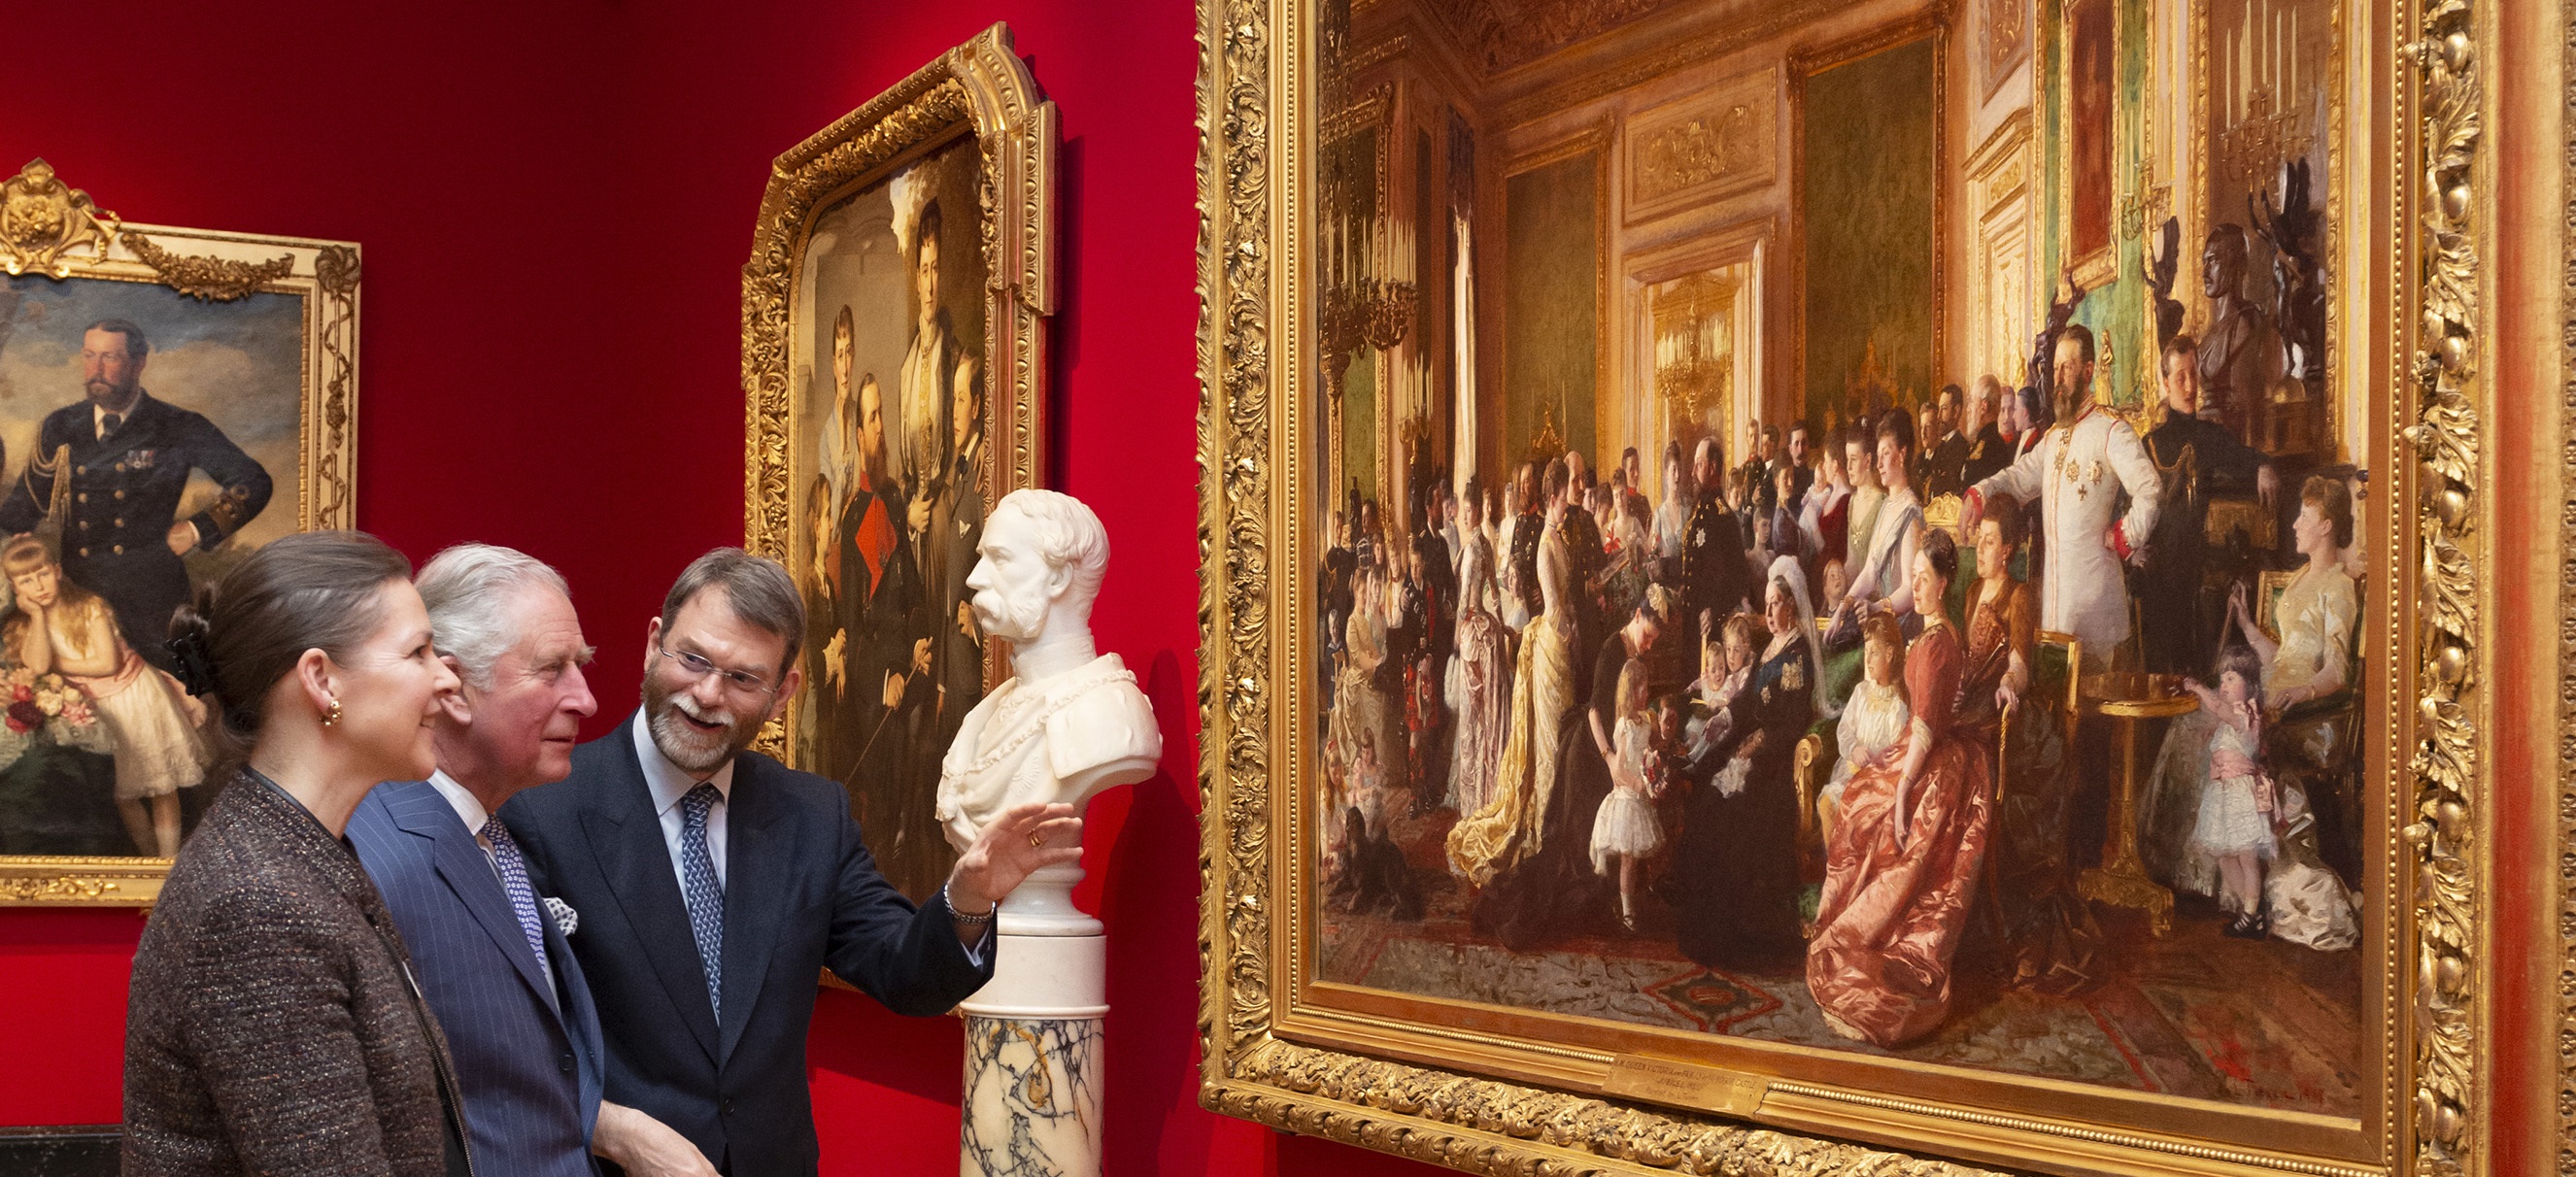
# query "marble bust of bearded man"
(1070, 721)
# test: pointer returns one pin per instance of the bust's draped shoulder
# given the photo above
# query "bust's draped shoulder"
(1103, 716)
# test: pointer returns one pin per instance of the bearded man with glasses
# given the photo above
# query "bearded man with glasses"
(712, 882)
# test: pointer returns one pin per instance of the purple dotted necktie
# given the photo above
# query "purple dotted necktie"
(514, 882)
(704, 894)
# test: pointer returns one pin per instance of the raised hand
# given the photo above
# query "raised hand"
(1021, 840)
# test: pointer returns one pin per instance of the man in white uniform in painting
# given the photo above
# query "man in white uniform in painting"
(2078, 474)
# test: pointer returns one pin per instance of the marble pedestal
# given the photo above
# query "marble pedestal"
(1033, 1056)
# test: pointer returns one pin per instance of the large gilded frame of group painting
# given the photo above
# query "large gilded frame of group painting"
(52, 231)
(977, 105)
(1508, 1103)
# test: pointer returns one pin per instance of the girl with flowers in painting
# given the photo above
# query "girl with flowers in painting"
(61, 628)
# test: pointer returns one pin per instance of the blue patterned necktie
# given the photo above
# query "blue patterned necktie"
(514, 882)
(704, 894)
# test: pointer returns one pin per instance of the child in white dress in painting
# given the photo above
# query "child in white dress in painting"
(61, 628)
(1625, 829)
(1875, 718)
(2232, 839)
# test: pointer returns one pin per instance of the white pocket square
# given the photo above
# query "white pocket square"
(562, 913)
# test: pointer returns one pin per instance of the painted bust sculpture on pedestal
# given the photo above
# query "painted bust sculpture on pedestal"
(1068, 723)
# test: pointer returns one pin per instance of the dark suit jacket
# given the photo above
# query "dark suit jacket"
(801, 894)
(1713, 572)
(1942, 464)
(527, 1052)
(271, 1028)
(1988, 452)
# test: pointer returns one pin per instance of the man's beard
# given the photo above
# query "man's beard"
(2068, 401)
(684, 744)
(103, 393)
(1009, 620)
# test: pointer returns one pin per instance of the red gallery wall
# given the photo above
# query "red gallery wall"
(555, 202)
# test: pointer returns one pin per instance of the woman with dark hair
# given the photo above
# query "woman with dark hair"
(917, 425)
(1880, 572)
(1479, 675)
(2002, 617)
(2050, 931)
(273, 1026)
(1861, 518)
(1672, 519)
(1903, 863)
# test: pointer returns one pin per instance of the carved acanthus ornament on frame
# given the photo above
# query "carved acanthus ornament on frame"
(41, 219)
(2442, 844)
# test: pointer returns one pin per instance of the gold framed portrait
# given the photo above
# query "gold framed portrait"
(1544, 825)
(894, 366)
(170, 399)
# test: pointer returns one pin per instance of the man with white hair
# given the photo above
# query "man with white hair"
(493, 961)
(1070, 720)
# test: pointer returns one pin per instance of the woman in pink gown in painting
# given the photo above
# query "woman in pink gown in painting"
(1902, 866)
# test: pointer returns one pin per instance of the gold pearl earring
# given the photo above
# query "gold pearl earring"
(332, 716)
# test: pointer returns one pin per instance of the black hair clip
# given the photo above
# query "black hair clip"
(196, 670)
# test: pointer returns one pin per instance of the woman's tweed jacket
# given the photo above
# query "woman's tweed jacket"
(272, 1027)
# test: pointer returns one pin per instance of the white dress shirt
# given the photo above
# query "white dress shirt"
(668, 784)
(468, 810)
(98, 417)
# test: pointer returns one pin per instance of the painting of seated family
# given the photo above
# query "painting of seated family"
(1850, 535)
(148, 440)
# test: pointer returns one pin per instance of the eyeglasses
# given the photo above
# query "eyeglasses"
(695, 667)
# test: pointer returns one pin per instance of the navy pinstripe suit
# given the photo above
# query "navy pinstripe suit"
(528, 1054)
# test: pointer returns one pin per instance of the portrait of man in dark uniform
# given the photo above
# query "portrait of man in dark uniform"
(111, 469)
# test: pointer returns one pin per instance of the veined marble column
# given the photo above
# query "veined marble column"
(1069, 722)
(1033, 1057)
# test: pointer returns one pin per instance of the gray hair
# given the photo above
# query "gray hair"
(758, 588)
(464, 587)
(1069, 536)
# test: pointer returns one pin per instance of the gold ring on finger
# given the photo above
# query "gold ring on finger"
(1035, 841)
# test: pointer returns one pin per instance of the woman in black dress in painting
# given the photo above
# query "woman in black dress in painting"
(1735, 867)
(1554, 891)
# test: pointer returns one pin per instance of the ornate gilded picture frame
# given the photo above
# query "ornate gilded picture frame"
(170, 399)
(894, 368)
(1430, 289)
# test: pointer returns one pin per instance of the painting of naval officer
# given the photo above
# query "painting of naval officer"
(111, 469)
(140, 433)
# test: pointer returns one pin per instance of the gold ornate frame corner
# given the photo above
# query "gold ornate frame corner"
(1563, 1117)
(980, 89)
(53, 230)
